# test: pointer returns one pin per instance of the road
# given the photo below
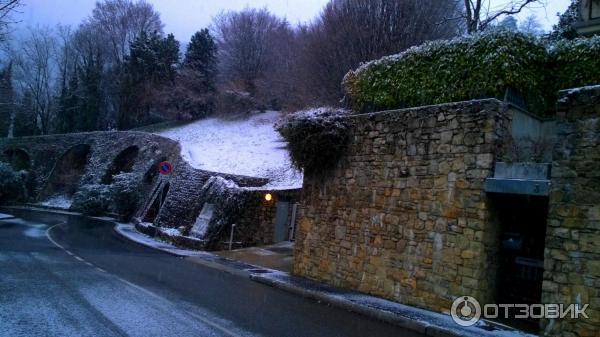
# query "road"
(72, 276)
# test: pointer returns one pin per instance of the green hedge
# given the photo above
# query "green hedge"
(478, 66)
(576, 63)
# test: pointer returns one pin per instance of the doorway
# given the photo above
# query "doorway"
(522, 221)
(280, 232)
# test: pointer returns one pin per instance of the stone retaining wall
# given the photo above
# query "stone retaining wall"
(404, 215)
(183, 201)
(572, 255)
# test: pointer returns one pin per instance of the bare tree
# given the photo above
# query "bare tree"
(349, 32)
(36, 69)
(244, 41)
(120, 22)
(6, 8)
(104, 40)
(531, 25)
(480, 14)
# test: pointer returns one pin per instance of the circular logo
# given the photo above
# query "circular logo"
(466, 311)
(165, 168)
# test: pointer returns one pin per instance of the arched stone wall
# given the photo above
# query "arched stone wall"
(122, 163)
(19, 159)
(68, 170)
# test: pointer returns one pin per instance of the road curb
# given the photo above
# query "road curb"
(387, 317)
(417, 320)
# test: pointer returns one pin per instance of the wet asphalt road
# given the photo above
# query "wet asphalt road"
(98, 284)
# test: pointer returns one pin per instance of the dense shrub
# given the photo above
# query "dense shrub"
(12, 186)
(477, 66)
(93, 199)
(316, 138)
(233, 102)
(576, 63)
(126, 193)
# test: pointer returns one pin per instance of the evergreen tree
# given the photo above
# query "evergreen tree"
(564, 28)
(509, 22)
(151, 64)
(87, 97)
(6, 100)
(25, 117)
(68, 106)
(201, 56)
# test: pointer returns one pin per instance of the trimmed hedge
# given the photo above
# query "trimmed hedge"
(478, 66)
(576, 62)
(316, 138)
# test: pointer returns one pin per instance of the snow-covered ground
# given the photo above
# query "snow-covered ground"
(249, 146)
(57, 201)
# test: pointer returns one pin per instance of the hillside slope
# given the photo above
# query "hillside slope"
(249, 146)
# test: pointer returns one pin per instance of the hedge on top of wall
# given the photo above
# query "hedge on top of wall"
(576, 63)
(478, 66)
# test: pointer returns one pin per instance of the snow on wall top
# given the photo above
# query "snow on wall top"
(250, 147)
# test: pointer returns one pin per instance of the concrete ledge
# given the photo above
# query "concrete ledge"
(518, 186)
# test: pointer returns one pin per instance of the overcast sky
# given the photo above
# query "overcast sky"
(184, 17)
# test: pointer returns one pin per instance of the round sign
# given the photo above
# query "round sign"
(165, 168)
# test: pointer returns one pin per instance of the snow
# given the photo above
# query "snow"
(171, 231)
(129, 231)
(57, 201)
(249, 147)
(5, 216)
(201, 225)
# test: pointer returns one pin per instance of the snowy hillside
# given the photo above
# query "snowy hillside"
(250, 147)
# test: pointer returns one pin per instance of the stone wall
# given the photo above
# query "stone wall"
(404, 215)
(184, 200)
(45, 153)
(262, 212)
(572, 255)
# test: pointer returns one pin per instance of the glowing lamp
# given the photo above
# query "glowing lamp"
(268, 197)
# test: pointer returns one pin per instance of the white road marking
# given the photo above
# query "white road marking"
(144, 290)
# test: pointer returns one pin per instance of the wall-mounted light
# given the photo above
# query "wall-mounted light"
(268, 197)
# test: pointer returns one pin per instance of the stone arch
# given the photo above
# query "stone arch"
(123, 163)
(18, 159)
(68, 170)
(157, 203)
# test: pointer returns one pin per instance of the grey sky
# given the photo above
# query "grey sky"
(184, 17)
